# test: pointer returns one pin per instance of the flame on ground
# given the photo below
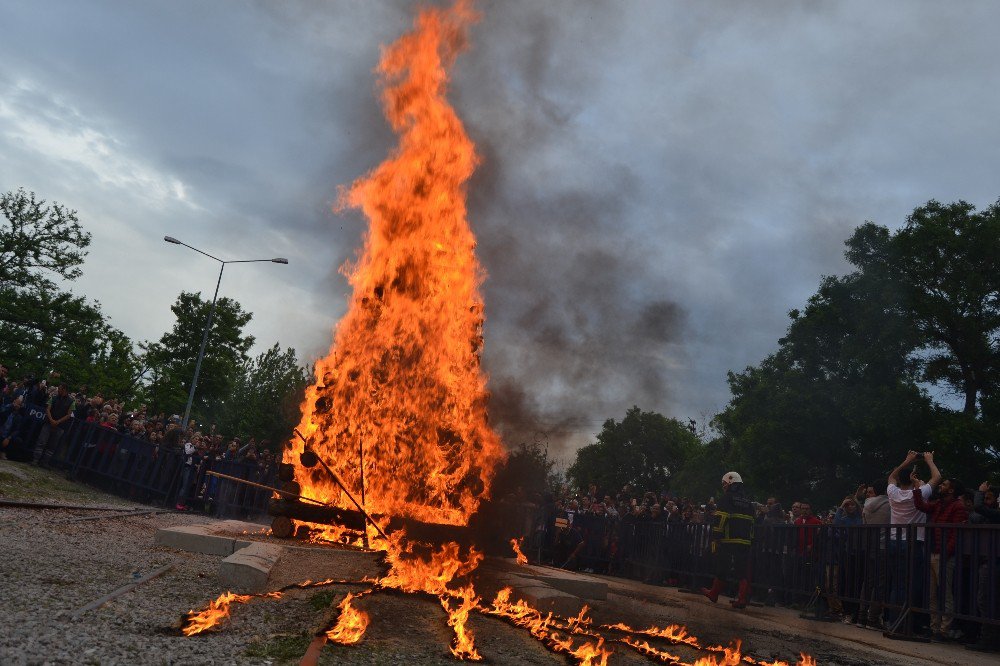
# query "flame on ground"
(523, 615)
(463, 645)
(351, 623)
(518, 553)
(430, 570)
(559, 634)
(211, 615)
(730, 656)
(403, 377)
(644, 648)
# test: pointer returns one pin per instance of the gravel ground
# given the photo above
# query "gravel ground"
(52, 567)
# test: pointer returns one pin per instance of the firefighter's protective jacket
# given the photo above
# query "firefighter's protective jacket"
(734, 520)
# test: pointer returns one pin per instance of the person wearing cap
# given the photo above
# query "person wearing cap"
(732, 535)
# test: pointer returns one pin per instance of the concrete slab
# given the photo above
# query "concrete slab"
(237, 528)
(571, 582)
(577, 585)
(209, 538)
(546, 598)
(197, 539)
(542, 596)
(248, 569)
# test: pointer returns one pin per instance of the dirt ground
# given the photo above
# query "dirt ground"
(54, 564)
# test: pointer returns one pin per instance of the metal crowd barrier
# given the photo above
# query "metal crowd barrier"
(895, 576)
(145, 472)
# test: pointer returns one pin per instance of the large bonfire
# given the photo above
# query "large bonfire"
(402, 385)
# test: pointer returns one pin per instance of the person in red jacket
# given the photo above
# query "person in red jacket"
(947, 509)
(807, 524)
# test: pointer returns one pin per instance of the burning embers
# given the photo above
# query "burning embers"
(424, 571)
(402, 385)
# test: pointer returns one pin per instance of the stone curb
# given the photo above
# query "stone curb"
(247, 564)
(198, 539)
(248, 569)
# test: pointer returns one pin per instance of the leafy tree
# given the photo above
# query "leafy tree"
(43, 327)
(841, 399)
(172, 359)
(645, 450)
(943, 264)
(39, 241)
(527, 471)
(838, 400)
(265, 396)
(702, 472)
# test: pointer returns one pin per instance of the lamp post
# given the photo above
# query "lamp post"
(211, 313)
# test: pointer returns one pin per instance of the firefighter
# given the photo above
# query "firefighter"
(732, 535)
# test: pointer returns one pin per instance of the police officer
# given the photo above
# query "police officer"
(732, 535)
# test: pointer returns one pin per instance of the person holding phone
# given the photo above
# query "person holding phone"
(903, 483)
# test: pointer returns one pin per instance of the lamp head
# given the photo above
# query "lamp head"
(279, 260)
(171, 239)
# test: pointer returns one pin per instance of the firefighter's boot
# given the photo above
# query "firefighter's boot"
(743, 597)
(713, 592)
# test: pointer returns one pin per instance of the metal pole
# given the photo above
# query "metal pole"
(201, 352)
(361, 469)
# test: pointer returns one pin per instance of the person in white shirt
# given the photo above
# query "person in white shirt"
(900, 493)
(906, 583)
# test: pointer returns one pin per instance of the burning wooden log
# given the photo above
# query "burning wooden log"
(314, 513)
(289, 505)
(355, 520)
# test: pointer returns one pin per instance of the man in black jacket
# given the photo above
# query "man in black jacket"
(13, 420)
(57, 414)
(732, 534)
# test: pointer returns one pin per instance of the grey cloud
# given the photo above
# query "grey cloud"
(660, 181)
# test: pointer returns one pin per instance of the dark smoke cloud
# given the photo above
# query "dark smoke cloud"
(660, 181)
(572, 321)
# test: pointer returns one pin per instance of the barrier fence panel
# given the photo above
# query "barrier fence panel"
(903, 578)
(145, 472)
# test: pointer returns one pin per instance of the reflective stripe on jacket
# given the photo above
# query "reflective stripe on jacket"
(733, 528)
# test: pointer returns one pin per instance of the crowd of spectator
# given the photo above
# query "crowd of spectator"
(200, 446)
(596, 531)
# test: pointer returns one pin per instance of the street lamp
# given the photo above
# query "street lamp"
(211, 313)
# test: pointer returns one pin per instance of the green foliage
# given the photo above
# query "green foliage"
(285, 648)
(527, 471)
(322, 600)
(265, 397)
(645, 450)
(43, 327)
(172, 359)
(38, 241)
(701, 474)
(841, 400)
(943, 266)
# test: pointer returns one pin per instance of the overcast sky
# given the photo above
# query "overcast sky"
(661, 181)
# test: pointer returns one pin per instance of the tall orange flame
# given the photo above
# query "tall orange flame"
(463, 646)
(403, 379)
(518, 553)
